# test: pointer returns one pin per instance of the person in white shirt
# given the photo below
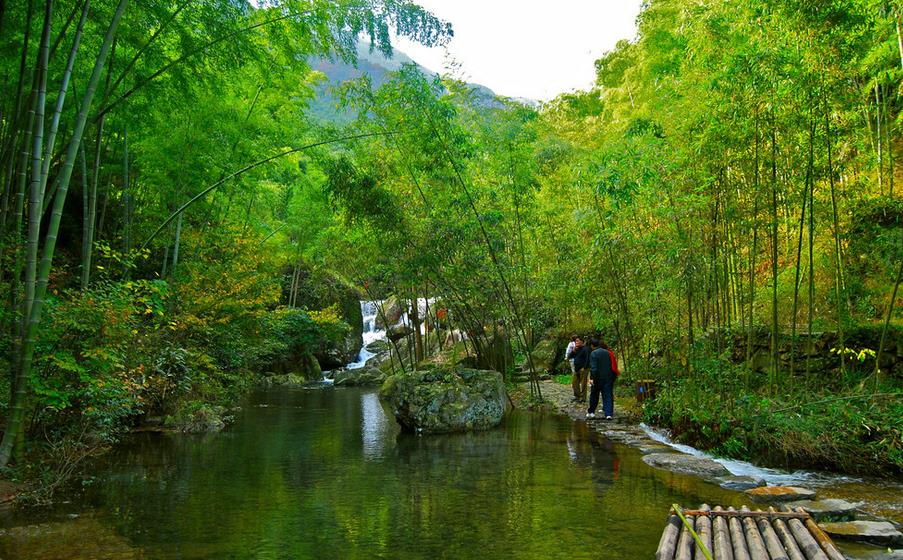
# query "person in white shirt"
(569, 351)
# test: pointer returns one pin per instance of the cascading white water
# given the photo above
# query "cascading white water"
(743, 468)
(371, 333)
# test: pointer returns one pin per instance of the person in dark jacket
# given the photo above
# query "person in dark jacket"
(602, 379)
(580, 355)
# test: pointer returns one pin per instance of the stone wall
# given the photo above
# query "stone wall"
(820, 348)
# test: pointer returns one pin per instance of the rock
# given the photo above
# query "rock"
(197, 418)
(398, 332)
(286, 380)
(544, 356)
(831, 507)
(768, 494)
(321, 290)
(656, 448)
(362, 377)
(390, 312)
(445, 400)
(741, 482)
(682, 463)
(877, 532)
(378, 346)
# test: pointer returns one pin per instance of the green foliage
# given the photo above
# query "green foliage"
(848, 431)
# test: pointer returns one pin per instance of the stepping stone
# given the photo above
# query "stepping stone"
(688, 464)
(770, 494)
(656, 448)
(828, 507)
(877, 532)
(741, 482)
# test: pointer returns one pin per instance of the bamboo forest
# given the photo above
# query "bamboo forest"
(273, 287)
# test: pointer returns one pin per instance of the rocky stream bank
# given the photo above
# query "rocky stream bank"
(852, 511)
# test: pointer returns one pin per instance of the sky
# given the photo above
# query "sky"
(527, 48)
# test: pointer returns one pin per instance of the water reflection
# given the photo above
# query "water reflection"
(325, 474)
(590, 451)
(375, 426)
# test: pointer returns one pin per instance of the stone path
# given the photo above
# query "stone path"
(624, 428)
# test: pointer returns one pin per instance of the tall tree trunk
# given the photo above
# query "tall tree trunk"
(838, 258)
(91, 217)
(126, 194)
(15, 422)
(878, 138)
(811, 228)
(61, 96)
(775, 333)
(35, 200)
(175, 246)
(796, 279)
(752, 257)
(415, 323)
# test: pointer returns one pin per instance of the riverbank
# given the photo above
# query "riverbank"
(876, 497)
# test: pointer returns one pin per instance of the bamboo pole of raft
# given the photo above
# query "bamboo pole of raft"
(772, 542)
(823, 539)
(754, 541)
(793, 550)
(685, 544)
(688, 525)
(804, 539)
(704, 530)
(738, 541)
(668, 543)
(769, 514)
(722, 540)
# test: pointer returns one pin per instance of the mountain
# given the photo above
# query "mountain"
(325, 105)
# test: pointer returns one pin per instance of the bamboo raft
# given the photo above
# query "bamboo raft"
(719, 534)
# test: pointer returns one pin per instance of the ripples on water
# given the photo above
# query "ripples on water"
(326, 474)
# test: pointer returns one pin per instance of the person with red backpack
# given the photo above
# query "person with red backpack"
(603, 368)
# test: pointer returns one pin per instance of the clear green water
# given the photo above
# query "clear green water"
(323, 473)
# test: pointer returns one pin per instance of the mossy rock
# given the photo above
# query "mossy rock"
(362, 377)
(443, 400)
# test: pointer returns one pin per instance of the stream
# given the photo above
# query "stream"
(322, 472)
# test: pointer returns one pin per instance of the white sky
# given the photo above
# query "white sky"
(527, 48)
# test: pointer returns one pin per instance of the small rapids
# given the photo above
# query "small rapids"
(774, 477)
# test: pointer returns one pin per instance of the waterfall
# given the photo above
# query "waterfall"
(369, 310)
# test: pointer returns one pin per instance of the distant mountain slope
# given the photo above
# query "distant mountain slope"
(324, 106)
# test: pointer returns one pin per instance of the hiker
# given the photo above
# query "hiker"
(603, 370)
(580, 355)
(567, 353)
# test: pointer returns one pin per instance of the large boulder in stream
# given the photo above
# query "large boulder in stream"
(443, 400)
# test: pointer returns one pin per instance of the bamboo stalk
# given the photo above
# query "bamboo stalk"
(793, 550)
(754, 541)
(823, 540)
(772, 542)
(722, 541)
(738, 539)
(804, 539)
(704, 530)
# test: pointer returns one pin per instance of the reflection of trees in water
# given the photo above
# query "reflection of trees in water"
(319, 474)
(589, 450)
